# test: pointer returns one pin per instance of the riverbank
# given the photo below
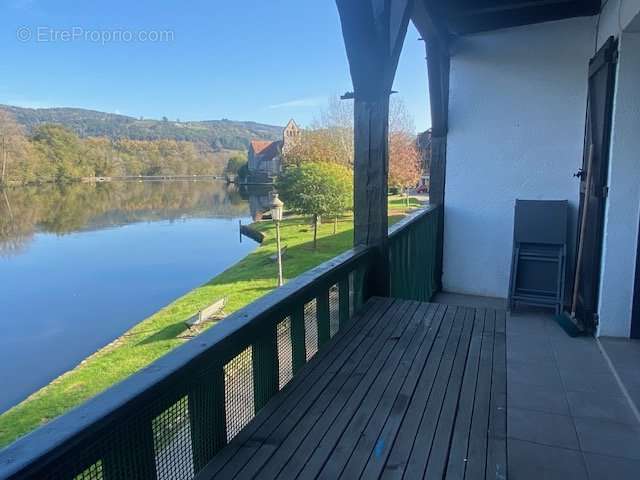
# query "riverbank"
(241, 284)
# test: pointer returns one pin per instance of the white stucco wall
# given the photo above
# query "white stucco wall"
(516, 113)
(623, 203)
(618, 16)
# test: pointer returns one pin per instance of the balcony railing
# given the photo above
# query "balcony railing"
(170, 419)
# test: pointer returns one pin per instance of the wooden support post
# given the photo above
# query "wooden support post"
(438, 164)
(323, 317)
(265, 367)
(439, 65)
(371, 172)
(374, 33)
(298, 346)
(207, 418)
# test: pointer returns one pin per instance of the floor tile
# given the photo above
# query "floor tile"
(540, 427)
(575, 348)
(634, 393)
(586, 381)
(624, 353)
(601, 467)
(530, 397)
(530, 461)
(630, 377)
(593, 362)
(555, 331)
(532, 351)
(539, 374)
(522, 326)
(608, 438)
(600, 405)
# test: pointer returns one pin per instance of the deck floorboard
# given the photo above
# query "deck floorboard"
(410, 390)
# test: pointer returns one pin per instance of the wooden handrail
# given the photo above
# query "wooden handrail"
(399, 227)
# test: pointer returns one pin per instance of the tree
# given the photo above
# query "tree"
(317, 189)
(15, 151)
(61, 153)
(405, 165)
(330, 139)
(321, 145)
(235, 163)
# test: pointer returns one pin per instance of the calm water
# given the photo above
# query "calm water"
(81, 265)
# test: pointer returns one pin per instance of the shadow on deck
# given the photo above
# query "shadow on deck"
(410, 389)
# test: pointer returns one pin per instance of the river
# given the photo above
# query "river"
(81, 264)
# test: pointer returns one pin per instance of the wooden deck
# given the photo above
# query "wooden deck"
(409, 390)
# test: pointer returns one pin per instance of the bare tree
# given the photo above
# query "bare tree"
(330, 139)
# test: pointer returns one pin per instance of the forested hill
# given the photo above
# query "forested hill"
(218, 134)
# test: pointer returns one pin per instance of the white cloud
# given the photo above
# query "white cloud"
(307, 102)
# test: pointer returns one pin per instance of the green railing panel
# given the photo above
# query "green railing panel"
(344, 309)
(413, 256)
(207, 418)
(130, 452)
(323, 318)
(298, 344)
(265, 368)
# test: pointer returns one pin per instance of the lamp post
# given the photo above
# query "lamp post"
(277, 208)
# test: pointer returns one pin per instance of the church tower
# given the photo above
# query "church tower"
(290, 135)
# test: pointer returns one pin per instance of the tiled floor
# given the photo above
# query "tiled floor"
(567, 415)
(625, 356)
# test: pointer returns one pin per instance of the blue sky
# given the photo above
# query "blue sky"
(262, 60)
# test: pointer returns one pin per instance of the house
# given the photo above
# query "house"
(265, 157)
(398, 359)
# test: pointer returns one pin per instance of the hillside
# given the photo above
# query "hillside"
(218, 134)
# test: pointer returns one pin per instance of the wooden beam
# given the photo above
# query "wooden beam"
(430, 20)
(371, 172)
(374, 32)
(466, 19)
(438, 68)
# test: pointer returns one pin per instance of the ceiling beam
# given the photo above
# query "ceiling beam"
(495, 15)
(501, 7)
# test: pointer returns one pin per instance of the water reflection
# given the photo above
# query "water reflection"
(81, 264)
(64, 209)
(260, 199)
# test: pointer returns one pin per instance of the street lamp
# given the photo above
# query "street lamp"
(277, 207)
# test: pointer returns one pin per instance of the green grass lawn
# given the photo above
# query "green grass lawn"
(241, 284)
(397, 202)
